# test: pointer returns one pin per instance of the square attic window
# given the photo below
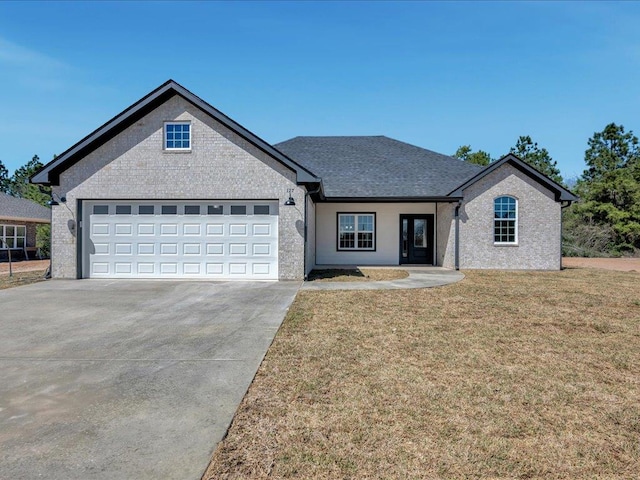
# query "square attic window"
(177, 136)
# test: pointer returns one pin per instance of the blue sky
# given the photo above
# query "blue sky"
(435, 74)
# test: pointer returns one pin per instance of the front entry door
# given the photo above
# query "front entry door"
(416, 238)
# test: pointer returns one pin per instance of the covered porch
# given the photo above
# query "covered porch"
(384, 234)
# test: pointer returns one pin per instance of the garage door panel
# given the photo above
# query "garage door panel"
(238, 229)
(215, 229)
(215, 268)
(168, 249)
(215, 249)
(191, 268)
(123, 249)
(168, 268)
(261, 229)
(168, 229)
(261, 249)
(238, 248)
(237, 268)
(191, 249)
(140, 241)
(99, 229)
(146, 249)
(261, 269)
(123, 229)
(123, 268)
(146, 229)
(191, 229)
(146, 269)
(100, 268)
(101, 248)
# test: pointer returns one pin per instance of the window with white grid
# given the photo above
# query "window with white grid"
(13, 236)
(505, 220)
(356, 231)
(177, 136)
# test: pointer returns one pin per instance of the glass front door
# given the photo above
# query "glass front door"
(416, 238)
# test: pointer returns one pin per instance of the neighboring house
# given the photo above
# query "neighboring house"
(19, 218)
(171, 187)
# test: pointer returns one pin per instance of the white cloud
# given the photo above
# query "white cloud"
(24, 67)
(17, 55)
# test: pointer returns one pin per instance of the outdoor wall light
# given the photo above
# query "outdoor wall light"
(53, 200)
(290, 201)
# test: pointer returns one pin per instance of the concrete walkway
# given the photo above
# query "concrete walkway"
(419, 277)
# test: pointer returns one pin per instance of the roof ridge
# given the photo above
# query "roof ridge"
(377, 166)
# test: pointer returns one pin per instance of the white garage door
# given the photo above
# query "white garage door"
(169, 239)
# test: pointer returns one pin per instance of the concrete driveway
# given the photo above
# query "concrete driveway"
(127, 379)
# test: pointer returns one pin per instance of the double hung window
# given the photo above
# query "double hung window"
(505, 220)
(356, 231)
(13, 236)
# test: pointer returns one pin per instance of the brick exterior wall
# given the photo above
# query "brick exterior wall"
(220, 166)
(539, 225)
(445, 235)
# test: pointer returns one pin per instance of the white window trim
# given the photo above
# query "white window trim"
(164, 136)
(515, 241)
(355, 247)
(14, 237)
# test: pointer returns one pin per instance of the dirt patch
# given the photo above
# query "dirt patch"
(24, 273)
(502, 375)
(21, 278)
(619, 264)
(357, 275)
(25, 266)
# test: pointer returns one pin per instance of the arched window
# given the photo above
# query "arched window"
(505, 220)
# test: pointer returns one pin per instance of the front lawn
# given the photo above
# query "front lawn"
(502, 375)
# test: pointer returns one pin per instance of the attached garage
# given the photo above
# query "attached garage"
(180, 239)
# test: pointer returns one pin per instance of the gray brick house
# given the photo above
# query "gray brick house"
(19, 218)
(173, 188)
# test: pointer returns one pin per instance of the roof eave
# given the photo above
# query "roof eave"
(394, 199)
(24, 219)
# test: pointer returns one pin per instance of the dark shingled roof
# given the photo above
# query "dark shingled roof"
(23, 209)
(376, 167)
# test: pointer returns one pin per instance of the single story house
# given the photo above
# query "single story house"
(19, 218)
(173, 188)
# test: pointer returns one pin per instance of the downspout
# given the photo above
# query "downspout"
(306, 196)
(456, 260)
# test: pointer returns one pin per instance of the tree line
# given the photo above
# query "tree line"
(606, 219)
(17, 185)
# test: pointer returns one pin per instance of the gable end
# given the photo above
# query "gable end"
(50, 173)
(561, 193)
